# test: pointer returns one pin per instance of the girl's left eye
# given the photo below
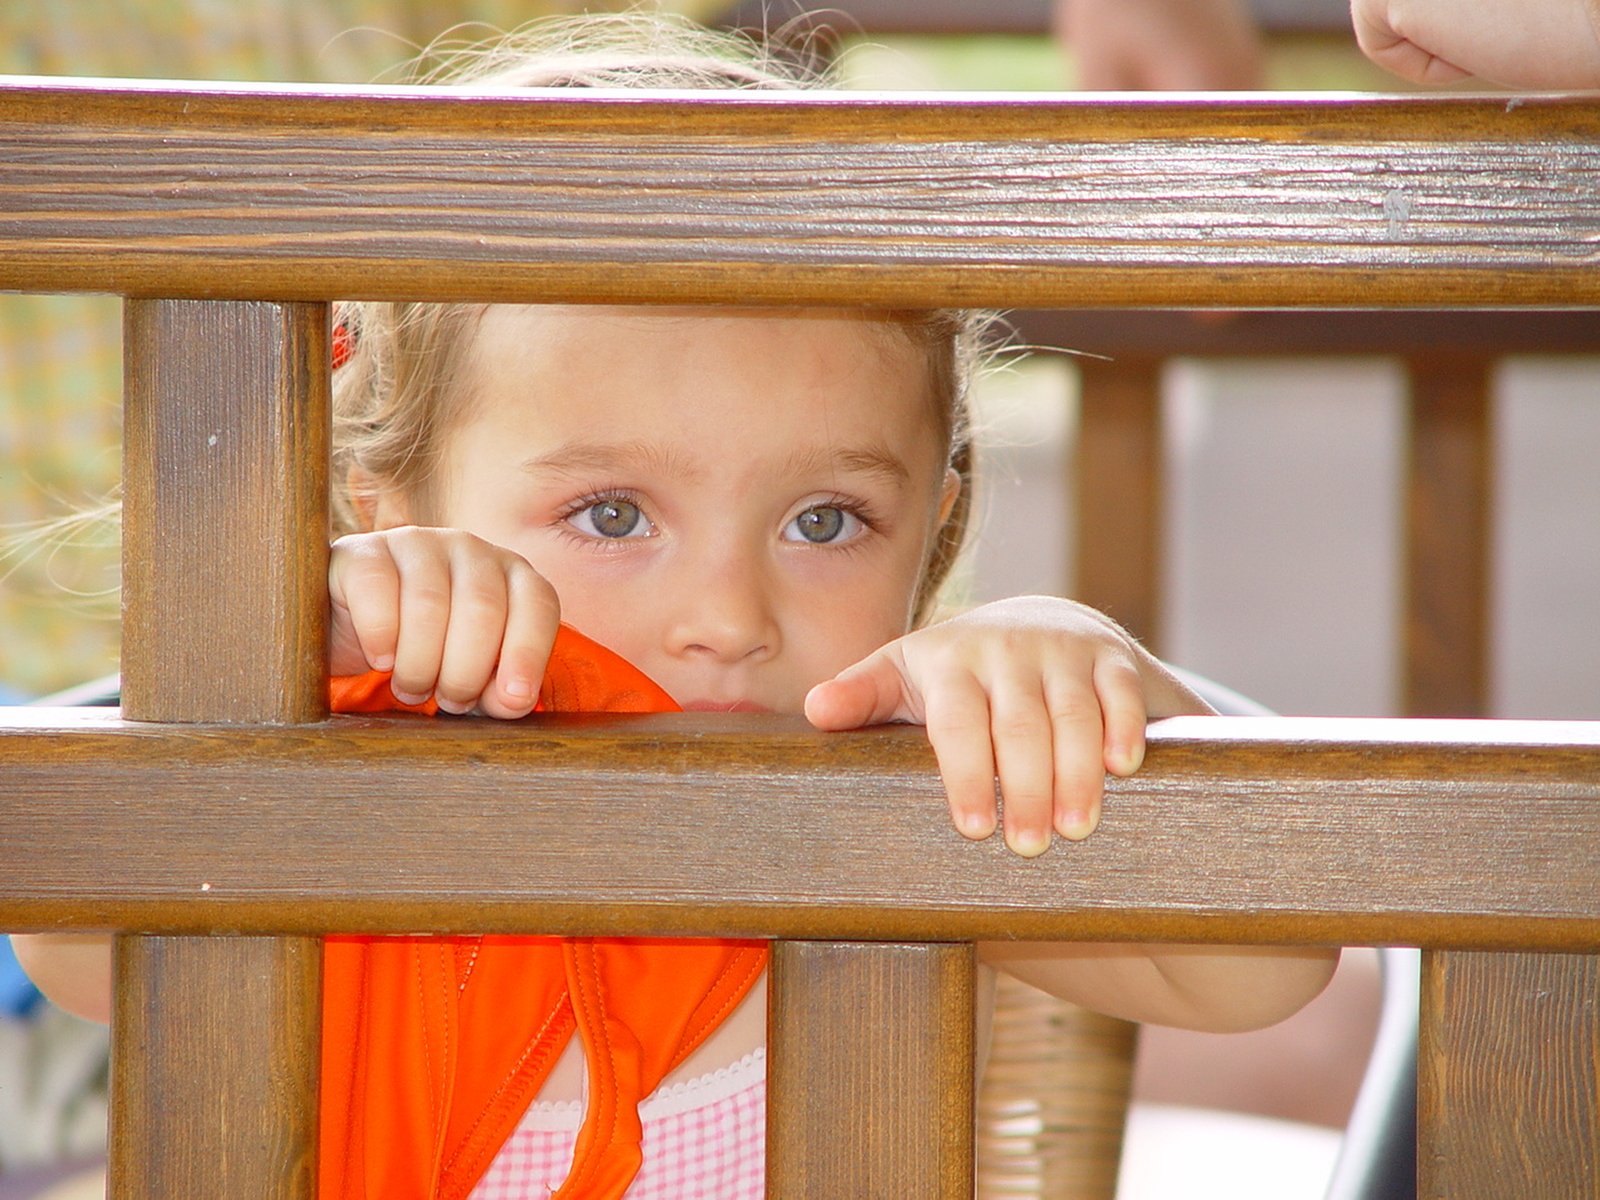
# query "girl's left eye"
(612, 518)
(822, 524)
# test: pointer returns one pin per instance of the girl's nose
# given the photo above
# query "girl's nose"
(725, 614)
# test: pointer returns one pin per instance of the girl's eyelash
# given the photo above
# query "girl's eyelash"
(599, 496)
(563, 521)
(858, 509)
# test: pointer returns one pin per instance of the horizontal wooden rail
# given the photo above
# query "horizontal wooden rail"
(1461, 834)
(314, 194)
(1156, 337)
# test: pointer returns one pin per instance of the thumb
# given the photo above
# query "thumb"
(871, 692)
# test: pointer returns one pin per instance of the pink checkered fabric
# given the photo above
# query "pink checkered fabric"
(704, 1139)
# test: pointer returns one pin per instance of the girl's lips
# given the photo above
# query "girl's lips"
(725, 706)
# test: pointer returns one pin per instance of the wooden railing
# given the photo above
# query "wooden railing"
(222, 821)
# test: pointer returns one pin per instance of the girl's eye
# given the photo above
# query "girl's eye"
(614, 518)
(821, 524)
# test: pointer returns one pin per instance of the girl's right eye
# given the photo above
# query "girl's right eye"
(612, 518)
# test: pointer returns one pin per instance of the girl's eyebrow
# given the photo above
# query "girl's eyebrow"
(875, 460)
(581, 458)
(584, 458)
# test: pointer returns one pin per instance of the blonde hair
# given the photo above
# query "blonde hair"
(397, 394)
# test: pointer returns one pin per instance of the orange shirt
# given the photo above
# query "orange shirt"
(432, 1047)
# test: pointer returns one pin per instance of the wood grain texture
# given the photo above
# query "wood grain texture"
(1449, 522)
(1509, 1077)
(196, 1097)
(1117, 476)
(871, 1070)
(225, 511)
(1479, 834)
(225, 518)
(1142, 334)
(295, 193)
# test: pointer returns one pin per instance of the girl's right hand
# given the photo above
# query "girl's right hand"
(451, 615)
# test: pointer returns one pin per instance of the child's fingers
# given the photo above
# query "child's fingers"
(1020, 727)
(475, 627)
(1077, 739)
(424, 568)
(533, 615)
(871, 692)
(364, 595)
(958, 728)
(1120, 689)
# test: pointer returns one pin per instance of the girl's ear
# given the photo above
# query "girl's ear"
(947, 498)
(377, 506)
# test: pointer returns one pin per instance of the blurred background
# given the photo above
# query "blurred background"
(1280, 546)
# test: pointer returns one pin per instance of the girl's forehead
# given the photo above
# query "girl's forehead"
(708, 376)
(686, 324)
(698, 352)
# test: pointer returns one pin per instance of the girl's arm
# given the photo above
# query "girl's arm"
(73, 970)
(1047, 696)
(1215, 989)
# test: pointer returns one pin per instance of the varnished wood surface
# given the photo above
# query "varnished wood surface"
(225, 549)
(1509, 1077)
(225, 519)
(197, 1099)
(1449, 517)
(1118, 476)
(300, 194)
(1139, 334)
(871, 1071)
(1477, 834)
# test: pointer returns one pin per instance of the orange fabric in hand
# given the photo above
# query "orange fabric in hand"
(433, 1047)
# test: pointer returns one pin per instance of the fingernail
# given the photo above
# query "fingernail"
(517, 688)
(384, 662)
(1077, 825)
(406, 697)
(1129, 759)
(454, 707)
(1030, 843)
(976, 826)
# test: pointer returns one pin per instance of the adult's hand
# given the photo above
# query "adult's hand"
(1515, 43)
(1161, 45)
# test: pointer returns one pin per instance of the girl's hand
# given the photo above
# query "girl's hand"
(1041, 694)
(453, 616)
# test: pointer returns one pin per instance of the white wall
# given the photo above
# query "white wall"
(1283, 534)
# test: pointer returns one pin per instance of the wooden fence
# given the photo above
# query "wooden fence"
(222, 821)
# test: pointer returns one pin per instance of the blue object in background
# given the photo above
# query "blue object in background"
(18, 996)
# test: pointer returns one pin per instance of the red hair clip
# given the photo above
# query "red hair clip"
(344, 344)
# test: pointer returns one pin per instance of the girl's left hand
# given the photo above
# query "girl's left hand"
(1040, 694)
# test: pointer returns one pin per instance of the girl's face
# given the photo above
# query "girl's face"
(740, 503)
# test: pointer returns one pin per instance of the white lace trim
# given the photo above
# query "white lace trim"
(565, 1116)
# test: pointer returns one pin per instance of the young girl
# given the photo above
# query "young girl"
(755, 509)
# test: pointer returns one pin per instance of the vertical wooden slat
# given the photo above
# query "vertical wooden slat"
(224, 1106)
(226, 433)
(225, 511)
(1509, 1076)
(1447, 541)
(870, 1061)
(1118, 489)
